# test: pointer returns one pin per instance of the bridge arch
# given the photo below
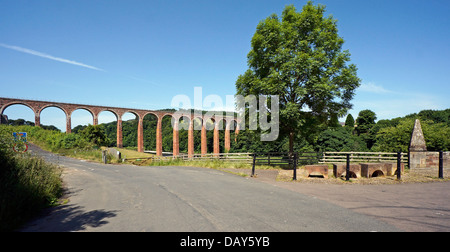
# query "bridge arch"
(26, 112)
(110, 111)
(150, 124)
(80, 116)
(109, 118)
(52, 115)
(199, 124)
(231, 126)
(182, 127)
(4, 107)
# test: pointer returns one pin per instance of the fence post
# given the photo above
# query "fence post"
(295, 166)
(441, 164)
(347, 169)
(104, 157)
(254, 162)
(399, 164)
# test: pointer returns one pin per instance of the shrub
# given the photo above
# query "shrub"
(27, 184)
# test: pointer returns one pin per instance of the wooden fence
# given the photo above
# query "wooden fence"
(363, 157)
(281, 158)
(232, 157)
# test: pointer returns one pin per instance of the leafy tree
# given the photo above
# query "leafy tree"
(365, 126)
(350, 122)
(365, 121)
(397, 138)
(300, 58)
(339, 139)
(334, 121)
(95, 134)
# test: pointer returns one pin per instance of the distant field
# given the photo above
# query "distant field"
(126, 153)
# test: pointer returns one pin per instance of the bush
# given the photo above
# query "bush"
(340, 139)
(27, 184)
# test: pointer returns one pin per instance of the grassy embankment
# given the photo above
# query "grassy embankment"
(27, 184)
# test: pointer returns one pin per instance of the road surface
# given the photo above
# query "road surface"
(187, 199)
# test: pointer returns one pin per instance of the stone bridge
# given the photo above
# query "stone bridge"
(68, 108)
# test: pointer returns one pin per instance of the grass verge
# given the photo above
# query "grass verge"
(28, 184)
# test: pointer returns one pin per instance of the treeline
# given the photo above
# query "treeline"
(20, 122)
(364, 133)
(387, 135)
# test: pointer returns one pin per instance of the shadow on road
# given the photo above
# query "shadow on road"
(70, 218)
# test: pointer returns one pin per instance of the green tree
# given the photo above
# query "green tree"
(95, 134)
(350, 122)
(365, 126)
(300, 58)
(339, 139)
(397, 138)
(365, 121)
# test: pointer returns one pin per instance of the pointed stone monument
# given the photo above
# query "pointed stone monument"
(417, 142)
(417, 148)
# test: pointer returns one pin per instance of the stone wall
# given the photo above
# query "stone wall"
(419, 157)
(428, 159)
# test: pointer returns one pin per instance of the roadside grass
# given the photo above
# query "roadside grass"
(28, 184)
(127, 153)
(237, 168)
(408, 176)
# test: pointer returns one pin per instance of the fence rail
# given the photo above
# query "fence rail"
(286, 158)
(381, 157)
(233, 157)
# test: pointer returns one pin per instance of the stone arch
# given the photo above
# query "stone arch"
(208, 126)
(150, 124)
(199, 135)
(166, 132)
(53, 106)
(47, 109)
(78, 120)
(185, 134)
(128, 137)
(377, 173)
(94, 115)
(25, 106)
(108, 118)
(231, 126)
(220, 133)
(109, 110)
(4, 107)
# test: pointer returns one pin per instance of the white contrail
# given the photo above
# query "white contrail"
(44, 55)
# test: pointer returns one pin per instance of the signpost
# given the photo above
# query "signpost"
(20, 142)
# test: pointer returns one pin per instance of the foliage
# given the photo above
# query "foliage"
(95, 134)
(397, 138)
(27, 183)
(350, 122)
(365, 120)
(365, 123)
(339, 139)
(300, 58)
(384, 135)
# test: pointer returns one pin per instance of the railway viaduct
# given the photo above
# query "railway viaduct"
(68, 108)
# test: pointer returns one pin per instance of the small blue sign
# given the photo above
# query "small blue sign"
(20, 136)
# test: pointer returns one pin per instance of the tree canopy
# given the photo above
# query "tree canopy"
(299, 57)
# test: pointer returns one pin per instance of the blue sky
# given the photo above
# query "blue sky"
(140, 54)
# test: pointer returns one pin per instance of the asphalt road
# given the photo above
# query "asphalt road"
(188, 199)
